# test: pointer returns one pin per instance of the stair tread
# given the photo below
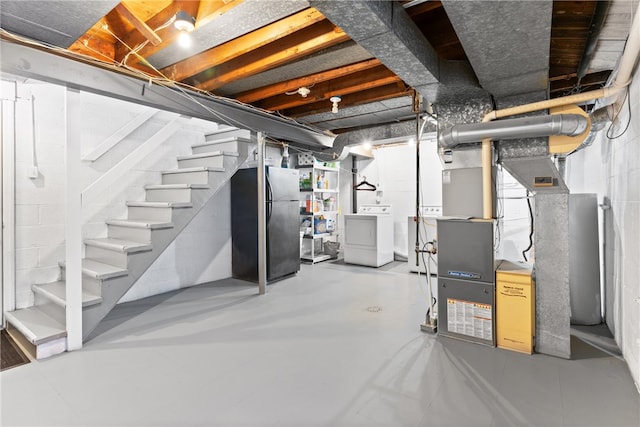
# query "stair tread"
(221, 141)
(37, 326)
(140, 223)
(175, 186)
(118, 244)
(210, 154)
(195, 169)
(160, 204)
(57, 292)
(100, 270)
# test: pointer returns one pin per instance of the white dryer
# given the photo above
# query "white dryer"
(369, 236)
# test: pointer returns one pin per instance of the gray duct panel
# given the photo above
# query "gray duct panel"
(553, 310)
(527, 169)
(336, 56)
(59, 23)
(247, 16)
(28, 62)
(507, 42)
(388, 33)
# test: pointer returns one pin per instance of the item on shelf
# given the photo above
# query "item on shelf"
(331, 225)
(305, 159)
(331, 249)
(318, 205)
(305, 181)
(305, 227)
(319, 225)
(330, 204)
(308, 202)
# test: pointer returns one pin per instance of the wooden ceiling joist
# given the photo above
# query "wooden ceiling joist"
(319, 36)
(242, 45)
(593, 79)
(357, 82)
(310, 80)
(393, 90)
(168, 34)
(139, 24)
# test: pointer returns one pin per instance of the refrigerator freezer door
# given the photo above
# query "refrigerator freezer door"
(282, 184)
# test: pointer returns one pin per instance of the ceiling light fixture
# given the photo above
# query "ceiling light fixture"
(184, 21)
(302, 91)
(335, 100)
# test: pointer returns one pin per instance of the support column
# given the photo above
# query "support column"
(553, 309)
(73, 220)
(262, 219)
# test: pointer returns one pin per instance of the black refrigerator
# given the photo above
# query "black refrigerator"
(282, 218)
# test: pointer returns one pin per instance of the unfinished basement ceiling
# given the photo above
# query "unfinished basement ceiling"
(373, 55)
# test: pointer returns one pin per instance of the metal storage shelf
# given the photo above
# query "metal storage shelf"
(318, 190)
(318, 213)
(317, 235)
(316, 258)
(313, 245)
(319, 167)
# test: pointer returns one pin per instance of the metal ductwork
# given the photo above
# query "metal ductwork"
(525, 127)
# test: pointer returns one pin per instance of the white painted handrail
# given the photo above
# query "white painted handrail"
(119, 135)
(112, 175)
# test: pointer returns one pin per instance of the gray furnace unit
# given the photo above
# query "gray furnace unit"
(466, 280)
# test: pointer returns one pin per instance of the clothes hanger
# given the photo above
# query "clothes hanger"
(366, 186)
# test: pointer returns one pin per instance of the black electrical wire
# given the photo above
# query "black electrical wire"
(628, 99)
(524, 253)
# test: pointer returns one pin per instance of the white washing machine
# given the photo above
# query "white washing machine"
(428, 233)
(369, 236)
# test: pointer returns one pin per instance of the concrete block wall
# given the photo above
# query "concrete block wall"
(611, 168)
(39, 202)
(201, 254)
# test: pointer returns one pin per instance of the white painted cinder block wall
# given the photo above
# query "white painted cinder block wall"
(611, 168)
(393, 171)
(202, 253)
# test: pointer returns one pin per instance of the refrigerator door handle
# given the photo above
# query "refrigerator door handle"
(269, 191)
(269, 208)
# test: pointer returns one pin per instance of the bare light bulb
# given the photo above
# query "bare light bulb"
(334, 100)
(184, 39)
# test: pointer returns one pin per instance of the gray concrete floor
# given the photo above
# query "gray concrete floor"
(336, 345)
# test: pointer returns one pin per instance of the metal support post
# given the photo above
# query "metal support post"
(262, 219)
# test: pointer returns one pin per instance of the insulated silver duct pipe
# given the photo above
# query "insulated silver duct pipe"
(525, 127)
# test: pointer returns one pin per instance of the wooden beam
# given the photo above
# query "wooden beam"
(140, 25)
(393, 90)
(134, 38)
(310, 80)
(241, 45)
(592, 79)
(305, 42)
(214, 8)
(361, 81)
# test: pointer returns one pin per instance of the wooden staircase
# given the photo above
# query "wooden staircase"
(112, 265)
